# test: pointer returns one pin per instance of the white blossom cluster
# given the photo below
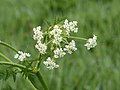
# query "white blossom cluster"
(21, 55)
(56, 32)
(41, 47)
(38, 35)
(91, 42)
(70, 26)
(58, 53)
(50, 64)
(57, 38)
(70, 47)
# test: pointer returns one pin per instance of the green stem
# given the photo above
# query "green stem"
(77, 38)
(3, 56)
(49, 42)
(9, 46)
(31, 84)
(38, 74)
(13, 64)
(40, 60)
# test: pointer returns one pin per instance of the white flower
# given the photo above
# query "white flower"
(38, 34)
(91, 42)
(70, 47)
(56, 32)
(21, 55)
(70, 26)
(50, 64)
(57, 40)
(41, 47)
(58, 53)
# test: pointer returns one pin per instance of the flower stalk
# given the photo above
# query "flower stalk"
(38, 74)
(12, 64)
(76, 38)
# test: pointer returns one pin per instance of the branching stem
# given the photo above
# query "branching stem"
(76, 38)
(12, 64)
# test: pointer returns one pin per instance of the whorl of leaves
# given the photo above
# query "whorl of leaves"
(7, 72)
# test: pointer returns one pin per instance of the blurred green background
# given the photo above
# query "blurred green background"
(97, 69)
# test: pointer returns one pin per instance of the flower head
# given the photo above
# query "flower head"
(70, 26)
(58, 53)
(56, 33)
(50, 64)
(21, 55)
(41, 47)
(70, 47)
(54, 40)
(38, 34)
(57, 40)
(91, 42)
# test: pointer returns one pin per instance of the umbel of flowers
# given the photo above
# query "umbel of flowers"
(56, 42)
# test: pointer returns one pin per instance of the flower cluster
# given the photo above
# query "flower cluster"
(41, 47)
(38, 35)
(58, 53)
(56, 41)
(70, 47)
(50, 64)
(56, 32)
(21, 55)
(91, 42)
(70, 26)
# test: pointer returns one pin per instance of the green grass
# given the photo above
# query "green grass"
(97, 69)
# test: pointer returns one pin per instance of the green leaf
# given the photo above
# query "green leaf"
(8, 72)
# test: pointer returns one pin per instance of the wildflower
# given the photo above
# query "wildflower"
(21, 55)
(50, 64)
(58, 53)
(91, 42)
(56, 32)
(41, 47)
(57, 40)
(70, 26)
(70, 47)
(38, 34)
